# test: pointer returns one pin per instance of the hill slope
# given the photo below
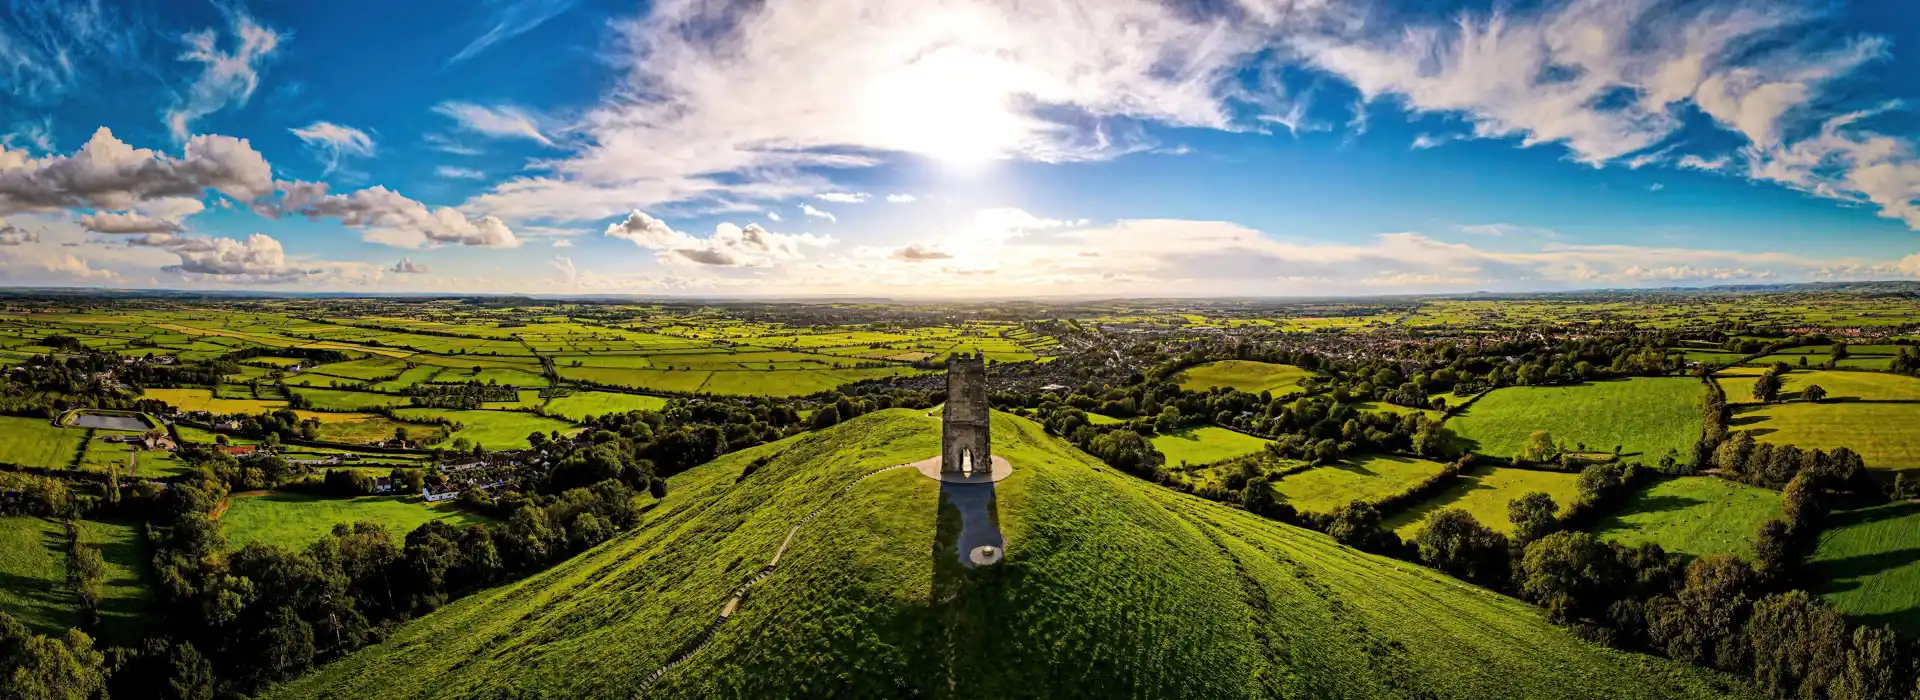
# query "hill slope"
(1111, 588)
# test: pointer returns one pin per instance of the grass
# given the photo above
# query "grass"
(341, 400)
(1866, 565)
(1645, 416)
(33, 575)
(1693, 515)
(1484, 493)
(367, 428)
(203, 400)
(1205, 445)
(1247, 376)
(292, 520)
(1370, 478)
(35, 442)
(1111, 587)
(583, 404)
(1881, 432)
(494, 429)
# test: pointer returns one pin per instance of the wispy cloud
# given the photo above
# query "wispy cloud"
(900, 198)
(809, 210)
(332, 142)
(458, 173)
(501, 122)
(227, 77)
(511, 18)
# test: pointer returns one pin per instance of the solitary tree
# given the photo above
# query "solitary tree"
(1767, 388)
(1532, 515)
(1814, 393)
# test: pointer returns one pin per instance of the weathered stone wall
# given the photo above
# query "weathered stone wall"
(964, 440)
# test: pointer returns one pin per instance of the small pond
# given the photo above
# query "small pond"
(111, 422)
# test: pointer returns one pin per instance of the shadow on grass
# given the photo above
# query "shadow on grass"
(1844, 574)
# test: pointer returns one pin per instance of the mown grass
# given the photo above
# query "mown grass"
(203, 400)
(498, 430)
(1368, 478)
(1111, 587)
(1867, 565)
(36, 442)
(1245, 375)
(1205, 445)
(1693, 515)
(584, 404)
(1484, 493)
(1645, 416)
(344, 400)
(33, 576)
(292, 520)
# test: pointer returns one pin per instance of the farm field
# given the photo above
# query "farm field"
(1693, 515)
(35, 442)
(583, 404)
(1484, 492)
(292, 520)
(203, 400)
(1370, 478)
(1866, 565)
(338, 400)
(1205, 445)
(1076, 528)
(33, 583)
(1881, 432)
(1646, 417)
(500, 430)
(368, 428)
(1250, 377)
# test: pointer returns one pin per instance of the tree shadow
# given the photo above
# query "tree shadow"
(1844, 574)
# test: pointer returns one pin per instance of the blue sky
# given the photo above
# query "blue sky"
(973, 148)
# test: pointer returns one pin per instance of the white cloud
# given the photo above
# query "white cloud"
(741, 100)
(106, 173)
(773, 216)
(511, 19)
(729, 246)
(569, 275)
(562, 243)
(1694, 162)
(842, 197)
(226, 77)
(916, 252)
(128, 222)
(1425, 141)
(407, 266)
(499, 122)
(458, 173)
(11, 235)
(259, 258)
(393, 219)
(1656, 187)
(816, 213)
(900, 198)
(332, 142)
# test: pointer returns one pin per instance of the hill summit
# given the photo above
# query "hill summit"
(1110, 587)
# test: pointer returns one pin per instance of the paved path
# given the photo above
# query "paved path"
(739, 594)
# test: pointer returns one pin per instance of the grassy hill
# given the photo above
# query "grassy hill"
(1112, 587)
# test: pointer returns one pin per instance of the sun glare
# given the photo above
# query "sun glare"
(953, 105)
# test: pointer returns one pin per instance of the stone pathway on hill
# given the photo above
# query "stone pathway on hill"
(738, 597)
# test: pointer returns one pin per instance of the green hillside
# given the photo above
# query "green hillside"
(1111, 587)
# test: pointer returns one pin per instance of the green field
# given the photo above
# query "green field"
(1247, 376)
(1867, 565)
(341, 400)
(1370, 478)
(1111, 588)
(33, 575)
(36, 442)
(204, 400)
(1883, 433)
(498, 430)
(1205, 445)
(583, 404)
(1693, 515)
(1646, 417)
(1484, 493)
(292, 520)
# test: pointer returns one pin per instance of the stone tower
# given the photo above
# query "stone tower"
(963, 444)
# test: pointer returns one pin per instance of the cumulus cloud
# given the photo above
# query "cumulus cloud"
(259, 258)
(393, 219)
(227, 77)
(842, 197)
(900, 198)
(14, 236)
(773, 216)
(407, 266)
(729, 246)
(809, 210)
(128, 222)
(332, 142)
(106, 173)
(499, 122)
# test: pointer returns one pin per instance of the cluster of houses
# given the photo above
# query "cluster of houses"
(151, 440)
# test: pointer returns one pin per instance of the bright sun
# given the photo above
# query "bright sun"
(953, 105)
